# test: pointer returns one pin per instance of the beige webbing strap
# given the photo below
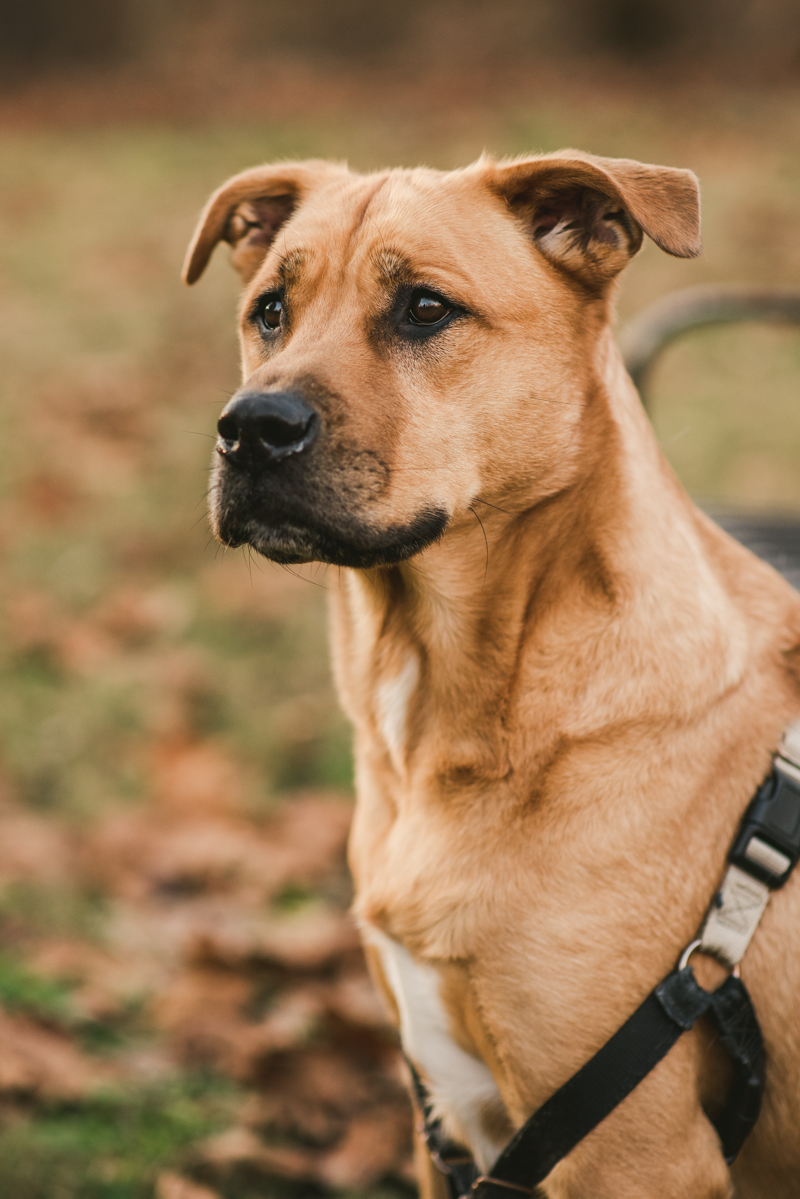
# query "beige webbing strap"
(733, 918)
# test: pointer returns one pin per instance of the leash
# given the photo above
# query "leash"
(764, 853)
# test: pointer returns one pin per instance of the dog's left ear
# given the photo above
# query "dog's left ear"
(587, 214)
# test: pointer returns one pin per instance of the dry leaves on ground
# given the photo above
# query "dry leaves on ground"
(232, 934)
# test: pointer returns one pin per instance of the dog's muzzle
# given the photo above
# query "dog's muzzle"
(283, 485)
(259, 428)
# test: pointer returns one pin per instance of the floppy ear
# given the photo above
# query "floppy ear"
(587, 214)
(249, 210)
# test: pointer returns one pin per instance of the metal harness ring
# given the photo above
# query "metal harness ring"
(691, 948)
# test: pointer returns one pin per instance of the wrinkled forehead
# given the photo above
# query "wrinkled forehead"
(444, 229)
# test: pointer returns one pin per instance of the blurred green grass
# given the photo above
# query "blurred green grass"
(125, 627)
(110, 1147)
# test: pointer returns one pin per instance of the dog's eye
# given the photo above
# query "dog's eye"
(426, 308)
(271, 309)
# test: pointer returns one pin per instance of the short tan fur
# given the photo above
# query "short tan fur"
(566, 690)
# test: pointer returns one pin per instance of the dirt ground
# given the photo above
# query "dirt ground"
(184, 1010)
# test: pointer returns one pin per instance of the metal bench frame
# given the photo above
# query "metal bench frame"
(776, 539)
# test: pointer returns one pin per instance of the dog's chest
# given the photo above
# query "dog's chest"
(461, 1086)
(390, 708)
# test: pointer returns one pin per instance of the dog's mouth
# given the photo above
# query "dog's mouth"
(313, 524)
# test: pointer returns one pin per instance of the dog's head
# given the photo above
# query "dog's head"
(413, 341)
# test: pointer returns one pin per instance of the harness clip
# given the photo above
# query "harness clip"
(768, 844)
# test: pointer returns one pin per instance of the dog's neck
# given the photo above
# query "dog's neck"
(612, 565)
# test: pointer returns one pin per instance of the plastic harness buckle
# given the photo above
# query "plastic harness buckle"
(768, 845)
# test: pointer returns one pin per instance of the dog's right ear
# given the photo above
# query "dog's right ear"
(249, 210)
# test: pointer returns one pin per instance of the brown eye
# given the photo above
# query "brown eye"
(271, 311)
(427, 309)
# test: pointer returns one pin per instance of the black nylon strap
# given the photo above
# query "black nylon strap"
(599, 1086)
(606, 1079)
(732, 1014)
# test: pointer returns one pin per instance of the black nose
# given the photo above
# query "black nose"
(259, 427)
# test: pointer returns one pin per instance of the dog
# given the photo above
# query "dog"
(565, 681)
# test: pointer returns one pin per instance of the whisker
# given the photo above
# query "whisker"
(478, 500)
(195, 523)
(486, 539)
(303, 578)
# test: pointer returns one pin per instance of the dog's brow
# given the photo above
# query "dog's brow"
(290, 266)
(392, 267)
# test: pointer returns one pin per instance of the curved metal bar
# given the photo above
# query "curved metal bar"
(710, 304)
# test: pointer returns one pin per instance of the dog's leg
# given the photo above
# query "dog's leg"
(431, 1181)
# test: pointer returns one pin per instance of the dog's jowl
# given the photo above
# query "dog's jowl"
(566, 683)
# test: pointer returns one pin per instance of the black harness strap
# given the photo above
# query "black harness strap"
(606, 1079)
(591, 1094)
(733, 1016)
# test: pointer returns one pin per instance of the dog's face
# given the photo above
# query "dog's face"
(416, 341)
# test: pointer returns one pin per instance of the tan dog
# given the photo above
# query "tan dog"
(566, 682)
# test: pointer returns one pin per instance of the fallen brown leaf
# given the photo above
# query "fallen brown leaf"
(201, 1010)
(197, 841)
(377, 1142)
(289, 1025)
(39, 1062)
(354, 1000)
(309, 940)
(315, 827)
(34, 849)
(202, 994)
(241, 1146)
(324, 1077)
(175, 1186)
(197, 777)
(104, 984)
(133, 614)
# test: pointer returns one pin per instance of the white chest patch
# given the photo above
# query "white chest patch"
(391, 701)
(461, 1086)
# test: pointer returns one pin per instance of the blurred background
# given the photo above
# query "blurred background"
(184, 1011)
